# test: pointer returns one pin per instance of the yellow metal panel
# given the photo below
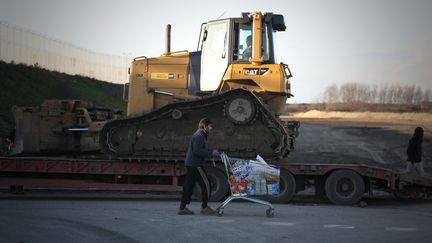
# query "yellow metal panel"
(273, 79)
(169, 71)
(168, 76)
(269, 77)
(139, 100)
(256, 38)
(156, 74)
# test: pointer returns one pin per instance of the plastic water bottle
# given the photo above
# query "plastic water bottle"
(257, 186)
(261, 188)
(273, 189)
(251, 188)
(270, 189)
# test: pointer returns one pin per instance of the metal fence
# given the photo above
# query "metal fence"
(23, 46)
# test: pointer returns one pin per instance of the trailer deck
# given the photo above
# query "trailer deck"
(340, 183)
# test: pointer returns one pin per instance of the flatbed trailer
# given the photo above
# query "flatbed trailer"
(341, 183)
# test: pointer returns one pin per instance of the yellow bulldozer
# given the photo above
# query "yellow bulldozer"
(232, 79)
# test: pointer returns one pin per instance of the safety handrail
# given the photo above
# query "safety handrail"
(139, 58)
(286, 68)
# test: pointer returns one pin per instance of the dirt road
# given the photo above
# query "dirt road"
(327, 142)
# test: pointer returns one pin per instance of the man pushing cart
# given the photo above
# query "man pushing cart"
(247, 178)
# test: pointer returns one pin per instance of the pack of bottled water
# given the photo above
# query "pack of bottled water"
(254, 177)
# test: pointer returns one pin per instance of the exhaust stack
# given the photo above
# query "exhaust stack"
(168, 40)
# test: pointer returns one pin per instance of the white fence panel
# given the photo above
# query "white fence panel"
(22, 46)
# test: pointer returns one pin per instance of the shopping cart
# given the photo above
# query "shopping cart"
(238, 188)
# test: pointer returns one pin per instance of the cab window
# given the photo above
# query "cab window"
(243, 44)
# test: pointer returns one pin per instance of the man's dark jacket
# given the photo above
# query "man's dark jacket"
(198, 151)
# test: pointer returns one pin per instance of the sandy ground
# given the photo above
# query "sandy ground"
(402, 122)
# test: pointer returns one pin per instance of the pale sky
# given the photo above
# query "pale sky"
(326, 42)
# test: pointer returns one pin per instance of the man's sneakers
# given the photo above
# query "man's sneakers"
(208, 211)
(185, 211)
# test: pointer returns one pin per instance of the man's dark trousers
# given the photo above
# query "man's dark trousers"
(193, 175)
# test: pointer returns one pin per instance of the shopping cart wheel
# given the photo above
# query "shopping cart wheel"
(270, 212)
(219, 212)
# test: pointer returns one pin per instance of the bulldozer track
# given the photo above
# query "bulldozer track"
(165, 133)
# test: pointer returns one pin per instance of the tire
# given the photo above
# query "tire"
(287, 188)
(344, 187)
(218, 182)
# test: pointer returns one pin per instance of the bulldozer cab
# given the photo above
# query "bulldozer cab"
(235, 40)
(232, 53)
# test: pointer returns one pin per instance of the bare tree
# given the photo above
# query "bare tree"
(397, 95)
(382, 94)
(391, 94)
(363, 93)
(407, 94)
(331, 94)
(374, 94)
(418, 95)
(347, 92)
(427, 95)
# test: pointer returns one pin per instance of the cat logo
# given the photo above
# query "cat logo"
(255, 71)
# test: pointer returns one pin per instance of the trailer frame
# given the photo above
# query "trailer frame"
(167, 175)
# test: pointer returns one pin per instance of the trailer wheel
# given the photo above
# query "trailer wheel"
(218, 182)
(287, 188)
(344, 187)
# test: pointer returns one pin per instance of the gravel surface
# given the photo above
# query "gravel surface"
(342, 143)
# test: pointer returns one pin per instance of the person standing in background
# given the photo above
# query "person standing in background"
(414, 153)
